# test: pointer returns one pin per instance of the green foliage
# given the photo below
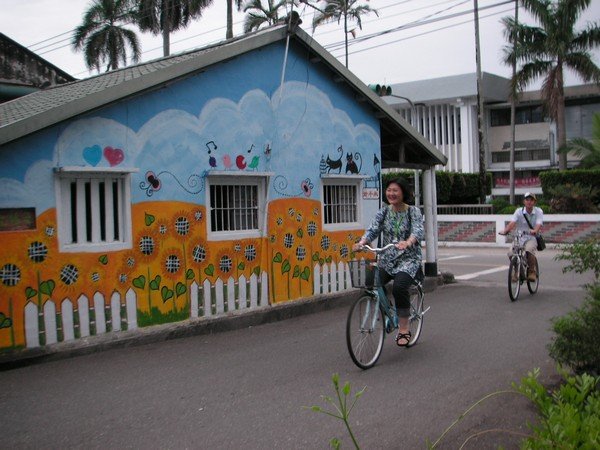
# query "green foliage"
(588, 151)
(341, 409)
(583, 256)
(577, 340)
(451, 187)
(570, 416)
(572, 191)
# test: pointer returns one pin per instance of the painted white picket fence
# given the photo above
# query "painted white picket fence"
(85, 318)
(331, 278)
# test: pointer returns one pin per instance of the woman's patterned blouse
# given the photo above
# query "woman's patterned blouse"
(397, 227)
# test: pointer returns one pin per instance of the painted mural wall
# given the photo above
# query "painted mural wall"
(235, 120)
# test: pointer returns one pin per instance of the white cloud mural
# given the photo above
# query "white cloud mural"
(178, 147)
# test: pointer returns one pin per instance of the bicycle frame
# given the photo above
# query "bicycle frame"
(518, 269)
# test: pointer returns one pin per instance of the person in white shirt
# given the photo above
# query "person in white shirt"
(519, 220)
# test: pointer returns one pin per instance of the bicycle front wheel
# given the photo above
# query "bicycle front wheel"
(514, 284)
(533, 285)
(416, 315)
(365, 330)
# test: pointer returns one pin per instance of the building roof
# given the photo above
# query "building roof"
(495, 88)
(405, 146)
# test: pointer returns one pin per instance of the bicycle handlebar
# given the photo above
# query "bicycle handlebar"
(375, 249)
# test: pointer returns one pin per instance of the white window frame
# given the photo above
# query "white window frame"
(342, 181)
(257, 179)
(81, 176)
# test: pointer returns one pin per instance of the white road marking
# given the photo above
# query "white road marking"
(454, 257)
(470, 276)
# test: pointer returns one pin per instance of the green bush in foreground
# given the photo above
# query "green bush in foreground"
(577, 340)
(569, 416)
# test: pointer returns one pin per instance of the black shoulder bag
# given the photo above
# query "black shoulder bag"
(541, 244)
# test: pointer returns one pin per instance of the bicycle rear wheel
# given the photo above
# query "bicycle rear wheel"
(365, 330)
(514, 283)
(533, 285)
(416, 315)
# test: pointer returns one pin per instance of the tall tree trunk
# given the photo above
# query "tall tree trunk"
(513, 109)
(480, 125)
(229, 33)
(561, 123)
(166, 29)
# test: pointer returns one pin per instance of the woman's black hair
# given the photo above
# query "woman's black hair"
(406, 190)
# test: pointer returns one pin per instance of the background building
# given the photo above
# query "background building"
(444, 110)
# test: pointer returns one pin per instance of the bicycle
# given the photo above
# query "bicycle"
(372, 315)
(519, 268)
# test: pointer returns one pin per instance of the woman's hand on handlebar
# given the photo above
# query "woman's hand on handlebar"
(358, 246)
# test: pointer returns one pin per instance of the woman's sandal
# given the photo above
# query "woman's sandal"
(403, 336)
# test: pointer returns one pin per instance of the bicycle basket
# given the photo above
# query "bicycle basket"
(362, 273)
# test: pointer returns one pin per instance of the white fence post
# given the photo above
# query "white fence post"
(317, 279)
(84, 316)
(206, 293)
(100, 315)
(32, 327)
(68, 326)
(50, 322)
(325, 283)
(242, 302)
(231, 294)
(115, 311)
(131, 307)
(219, 297)
(333, 278)
(194, 300)
(253, 291)
(264, 289)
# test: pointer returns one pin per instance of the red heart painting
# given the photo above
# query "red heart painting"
(114, 156)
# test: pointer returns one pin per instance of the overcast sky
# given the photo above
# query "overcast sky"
(431, 44)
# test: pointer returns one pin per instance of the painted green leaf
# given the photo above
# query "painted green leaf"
(166, 293)
(210, 270)
(103, 259)
(241, 265)
(47, 287)
(328, 259)
(305, 275)
(296, 272)
(149, 219)
(30, 292)
(139, 282)
(321, 261)
(180, 289)
(300, 233)
(155, 284)
(315, 256)
(285, 267)
(256, 270)
(278, 258)
(5, 322)
(189, 275)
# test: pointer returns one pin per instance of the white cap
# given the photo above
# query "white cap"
(530, 194)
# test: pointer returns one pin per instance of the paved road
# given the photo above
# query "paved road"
(247, 388)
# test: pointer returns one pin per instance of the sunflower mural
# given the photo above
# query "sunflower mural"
(297, 244)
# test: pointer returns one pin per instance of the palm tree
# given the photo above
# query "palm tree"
(546, 51)
(260, 15)
(238, 5)
(342, 9)
(588, 151)
(165, 16)
(103, 39)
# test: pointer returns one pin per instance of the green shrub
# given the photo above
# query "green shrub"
(570, 416)
(571, 191)
(577, 340)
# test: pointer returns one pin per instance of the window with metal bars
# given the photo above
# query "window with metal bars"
(235, 205)
(340, 203)
(94, 211)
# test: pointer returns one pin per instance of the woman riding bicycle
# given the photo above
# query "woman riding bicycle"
(529, 220)
(402, 225)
